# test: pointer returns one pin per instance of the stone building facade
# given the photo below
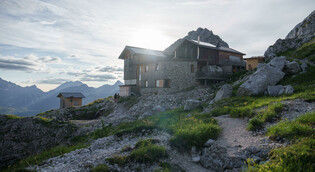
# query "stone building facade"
(191, 64)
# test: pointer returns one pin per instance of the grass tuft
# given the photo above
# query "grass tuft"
(100, 168)
(299, 157)
(148, 152)
(300, 127)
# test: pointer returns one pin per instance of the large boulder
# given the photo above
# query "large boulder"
(278, 62)
(224, 92)
(279, 90)
(192, 104)
(266, 75)
(215, 157)
(274, 90)
(304, 65)
(292, 67)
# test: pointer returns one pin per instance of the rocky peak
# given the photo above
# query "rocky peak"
(69, 84)
(118, 83)
(304, 29)
(302, 33)
(205, 36)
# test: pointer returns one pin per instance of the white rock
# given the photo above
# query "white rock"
(224, 92)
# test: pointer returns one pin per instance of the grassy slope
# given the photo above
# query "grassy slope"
(300, 156)
(189, 128)
(306, 51)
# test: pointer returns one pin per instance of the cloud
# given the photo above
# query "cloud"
(23, 64)
(97, 77)
(49, 59)
(110, 69)
(52, 81)
(28, 63)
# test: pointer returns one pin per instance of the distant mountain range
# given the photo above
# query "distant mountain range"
(28, 101)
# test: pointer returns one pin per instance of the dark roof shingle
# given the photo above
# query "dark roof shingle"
(68, 95)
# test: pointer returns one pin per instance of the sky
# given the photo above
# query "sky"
(49, 42)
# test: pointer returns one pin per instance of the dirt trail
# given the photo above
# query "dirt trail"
(234, 135)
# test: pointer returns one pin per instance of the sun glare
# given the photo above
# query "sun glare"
(151, 38)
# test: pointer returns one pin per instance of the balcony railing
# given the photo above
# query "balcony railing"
(211, 76)
(225, 62)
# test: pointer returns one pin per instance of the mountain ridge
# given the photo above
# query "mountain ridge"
(29, 100)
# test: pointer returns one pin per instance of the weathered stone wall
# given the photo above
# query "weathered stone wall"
(177, 71)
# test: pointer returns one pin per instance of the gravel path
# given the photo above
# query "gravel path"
(234, 135)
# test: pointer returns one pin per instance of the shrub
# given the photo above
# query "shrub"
(220, 111)
(299, 157)
(100, 168)
(308, 118)
(255, 124)
(120, 160)
(290, 130)
(241, 112)
(95, 102)
(195, 135)
(148, 153)
(13, 117)
(144, 143)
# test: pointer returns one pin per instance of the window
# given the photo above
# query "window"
(157, 67)
(234, 58)
(76, 102)
(139, 73)
(159, 83)
(167, 83)
(211, 57)
(163, 83)
(146, 84)
(146, 68)
(192, 68)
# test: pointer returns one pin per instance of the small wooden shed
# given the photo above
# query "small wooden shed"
(252, 62)
(70, 99)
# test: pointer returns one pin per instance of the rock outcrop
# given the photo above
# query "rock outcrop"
(300, 34)
(292, 67)
(205, 36)
(266, 75)
(21, 137)
(278, 90)
(224, 92)
(192, 104)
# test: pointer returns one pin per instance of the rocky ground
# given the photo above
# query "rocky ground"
(21, 137)
(143, 106)
(234, 145)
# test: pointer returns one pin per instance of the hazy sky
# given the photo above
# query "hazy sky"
(49, 42)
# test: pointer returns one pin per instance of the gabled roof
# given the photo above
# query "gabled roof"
(71, 95)
(255, 57)
(142, 51)
(211, 46)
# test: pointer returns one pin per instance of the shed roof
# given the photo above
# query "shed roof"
(255, 57)
(142, 51)
(211, 46)
(69, 95)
